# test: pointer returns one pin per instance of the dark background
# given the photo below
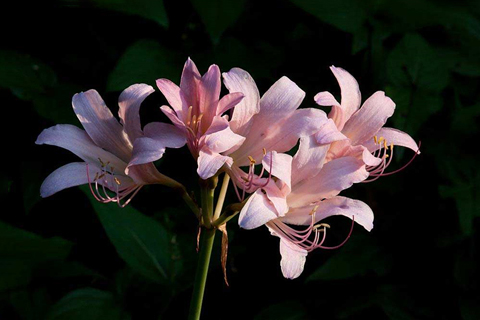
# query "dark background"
(67, 257)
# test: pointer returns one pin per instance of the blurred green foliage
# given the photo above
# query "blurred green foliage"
(69, 257)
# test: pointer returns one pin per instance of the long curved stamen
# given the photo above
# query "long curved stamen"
(344, 241)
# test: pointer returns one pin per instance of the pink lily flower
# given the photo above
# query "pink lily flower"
(272, 123)
(304, 193)
(196, 109)
(106, 147)
(362, 128)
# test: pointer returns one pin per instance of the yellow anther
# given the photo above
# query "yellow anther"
(194, 120)
(391, 147)
(244, 179)
(380, 140)
(313, 210)
(385, 144)
(252, 161)
(375, 139)
(117, 181)
(325, 225)
(200, 118)
(386, 156)
(101, 162)
(264, 151)
(101, 176)
(96, 177)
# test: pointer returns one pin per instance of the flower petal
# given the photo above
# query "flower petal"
(392, 136)
(229, 101)
(148, 174)
(293, 259)
(174, 97)
(219, 137)
(209, 163)
(326, 99)
(170, 136)
(100, 124)
(146, 150)
(209, 94)
(189, 83)
(329, 133)
(78, 142)
(278, 196)
(173, 117)
(331, 207)
(365, 123)
(129, 102)
(335, 176)
(238, 80)
(351, 96)
(308, 160)
(279, 165)
(69, 175)
(257, 211)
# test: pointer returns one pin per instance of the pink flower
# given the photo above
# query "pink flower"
(106, 147)
(269, 124)
(362, 128)
(305, 192)
(196, 109)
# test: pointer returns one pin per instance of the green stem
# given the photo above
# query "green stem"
(206, 245)
(221, 197)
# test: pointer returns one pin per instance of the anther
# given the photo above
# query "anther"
(375, 139)
(313, 210)
(252, 161)
(264, 151)
(117, 181)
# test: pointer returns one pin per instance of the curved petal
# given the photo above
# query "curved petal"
(79, 143)
(257, 211)
(229, 101)
(329, 133)
(174, 96)
(279, 165)
(173, 117)
(238, 80)
(129, 107)
(330, 207)
(209, 94)
(351, 96)
(100, 124)
(392, 136)
(277, 197)
(365, 123)
(309, 159)
(325, 99)
(170, 136)
(146, 150)
(335, 176)
(219, 137)
(148, 174)
(189, 83)
(293, 259)
(209, 163)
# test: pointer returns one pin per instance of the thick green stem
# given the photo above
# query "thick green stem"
(206, 245)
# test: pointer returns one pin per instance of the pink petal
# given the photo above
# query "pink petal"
(326, 99)
(391, 135)
(279, 165)
(78, 142)
(351, 96)
(335, 176)
(129, 103)
(293, 259)
(148, 174)
(189, 83)
(330, 207)
(308, 160)
(174, 97)
(228, 102)
(278, 134)
(329, 133)
(257, 211)
(209, 163)
(220, 137)
(100, 124)
(238, 80)
(277, 197)
(173, 117)
(209, 93)
(364, 124)
(146, 150)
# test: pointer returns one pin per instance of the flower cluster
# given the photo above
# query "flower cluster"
(235, 134)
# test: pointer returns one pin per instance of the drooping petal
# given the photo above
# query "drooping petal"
(100, 124)
(350, 92)
(392, 136)
(277, 194)
(329, 133)
(210, 162)
(279, 165)
(189, 84)
(293, 259)
(129, 102)
(278, 134)
(257, 211)
(171, 136)
(219, 137)
(371, 117)
(174, 97)
(209, 94)
(335, 176)
(238, 80)
(338, 205)
(173, 117)
(308, 160)
(229, 101)
(326, 99)
(146, 150)
(79, 143)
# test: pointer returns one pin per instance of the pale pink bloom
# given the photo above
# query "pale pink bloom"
(106, 147)
(272, 123)
(304, 192)
(196, 109)
(362, 128)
